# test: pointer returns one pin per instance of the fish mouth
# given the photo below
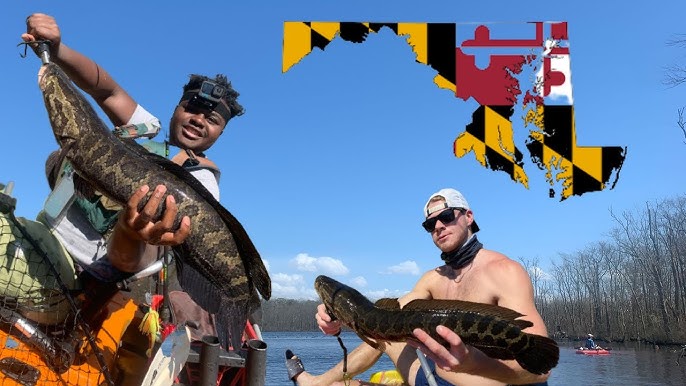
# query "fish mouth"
(325, 287)
(42, 72)
(320, 283)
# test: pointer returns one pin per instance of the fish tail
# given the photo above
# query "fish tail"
(230, 313)
(231, 320)
(540, 355)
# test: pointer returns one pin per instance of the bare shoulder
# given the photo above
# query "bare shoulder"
(506, 279)
(501, 267)
(428, 280)
(512, 288)
(421, 289)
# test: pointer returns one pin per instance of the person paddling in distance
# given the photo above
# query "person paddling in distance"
(590, 344)
(469, 272)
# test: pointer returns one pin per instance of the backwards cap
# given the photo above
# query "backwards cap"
(453, 199)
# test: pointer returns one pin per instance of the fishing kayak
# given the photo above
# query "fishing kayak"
(593, 352)
(388, 377)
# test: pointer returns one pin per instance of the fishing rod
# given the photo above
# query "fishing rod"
(424, 364)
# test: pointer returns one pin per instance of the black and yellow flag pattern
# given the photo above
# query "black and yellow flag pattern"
(433, 43)
(552, 145)
(491, 138)
(584, 168)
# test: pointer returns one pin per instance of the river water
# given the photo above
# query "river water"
(627, 365)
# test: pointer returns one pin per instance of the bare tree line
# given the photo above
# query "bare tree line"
(675, 75)
(289, 315)
(631, 286)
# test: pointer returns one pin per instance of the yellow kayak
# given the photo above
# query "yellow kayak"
(388, 377)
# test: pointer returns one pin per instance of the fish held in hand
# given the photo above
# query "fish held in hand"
(218, 265)
(492, 329)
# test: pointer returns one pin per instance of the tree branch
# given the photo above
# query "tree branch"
(679, 40)
(681, 122)
(674, 76)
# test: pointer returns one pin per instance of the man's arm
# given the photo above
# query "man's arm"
(83, 71)
(359, 360)
(515, 292)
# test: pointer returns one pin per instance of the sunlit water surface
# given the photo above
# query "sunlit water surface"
(626, 365)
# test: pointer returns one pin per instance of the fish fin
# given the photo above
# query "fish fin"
(462, 306)
(254, 266)
(230, 315)
(495, 352)
(541, 355)
(230, 321)
(369, 341)
(197, 286)
(522, 324)
(390, 304)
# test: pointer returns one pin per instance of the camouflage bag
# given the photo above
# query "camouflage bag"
(27, 282)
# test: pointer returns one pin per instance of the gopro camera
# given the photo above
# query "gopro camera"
(209, 95)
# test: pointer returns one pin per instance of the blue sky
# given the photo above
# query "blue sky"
(331, 164)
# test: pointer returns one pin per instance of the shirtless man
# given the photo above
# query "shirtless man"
(469, 273)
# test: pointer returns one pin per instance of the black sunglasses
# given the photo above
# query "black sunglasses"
(446, 216)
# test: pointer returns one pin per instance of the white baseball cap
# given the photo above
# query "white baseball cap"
(453, 199)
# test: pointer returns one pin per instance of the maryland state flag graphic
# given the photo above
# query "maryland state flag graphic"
(547, 102)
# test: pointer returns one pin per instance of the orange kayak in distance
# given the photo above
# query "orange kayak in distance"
(593, 352)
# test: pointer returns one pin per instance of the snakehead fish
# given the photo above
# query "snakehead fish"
(218, 265)
(491, 329)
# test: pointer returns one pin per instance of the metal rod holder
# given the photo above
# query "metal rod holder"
(209, 360)
(256, 363)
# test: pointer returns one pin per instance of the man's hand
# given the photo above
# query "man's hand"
(325, 323)
(40, 26)
(457, 359)
(140, 226)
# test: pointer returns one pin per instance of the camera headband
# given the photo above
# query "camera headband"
(220, 108)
